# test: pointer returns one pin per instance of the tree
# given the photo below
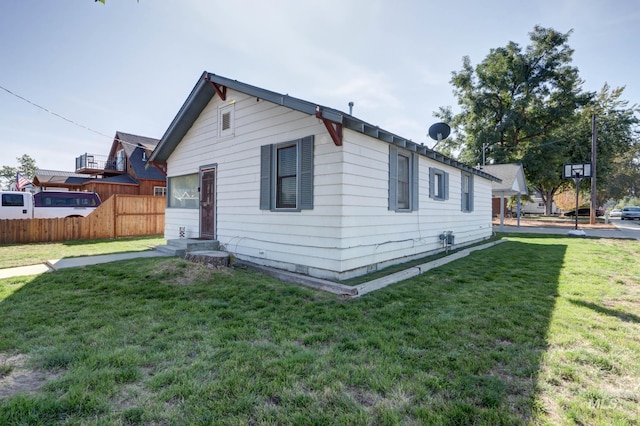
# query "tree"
(27, 168)
(618, 150)
(526, 105)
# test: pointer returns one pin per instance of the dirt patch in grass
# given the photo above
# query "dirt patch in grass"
(16, 377)
(182, 272)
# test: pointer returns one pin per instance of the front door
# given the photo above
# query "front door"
(208, 203)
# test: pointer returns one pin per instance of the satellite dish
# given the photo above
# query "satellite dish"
(439, 131)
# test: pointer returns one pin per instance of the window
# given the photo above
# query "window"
(226, 120)
(183, 192)
(13, 200)
(120, 161)
(467, 192)
(286, 175)
(66, 199)
(287, 172)
(438, 184)
(160, 191)
(403, 180)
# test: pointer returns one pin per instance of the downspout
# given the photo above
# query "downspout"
(518, 210)
(502, 211)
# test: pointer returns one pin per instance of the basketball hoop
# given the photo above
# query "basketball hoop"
(577, 172)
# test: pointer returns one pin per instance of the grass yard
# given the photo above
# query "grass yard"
(13, 255)
(537, 330)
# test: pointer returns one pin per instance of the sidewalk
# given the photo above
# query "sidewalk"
(74, 262)
(622, 230)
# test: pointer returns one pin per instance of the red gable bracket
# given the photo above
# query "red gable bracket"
(220, 90)
(334, 129)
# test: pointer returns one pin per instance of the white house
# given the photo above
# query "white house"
(287, 183)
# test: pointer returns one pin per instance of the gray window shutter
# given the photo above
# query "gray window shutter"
(393, 178)
(414, 181)
(445, 184)
(306, 173)
(462, 200)
(432, 178)
(265, 177)
(470, 193)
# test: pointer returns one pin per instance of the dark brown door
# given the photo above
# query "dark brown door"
(208, 204)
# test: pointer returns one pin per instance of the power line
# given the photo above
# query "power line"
(65, 118)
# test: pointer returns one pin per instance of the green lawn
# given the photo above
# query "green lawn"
(32, 254)
(537, 330)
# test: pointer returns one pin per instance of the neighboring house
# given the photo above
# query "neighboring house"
(57, 180)
(537, 206)
(123, 171)
(287, 183)
(513, 184)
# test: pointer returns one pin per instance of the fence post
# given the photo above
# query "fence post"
(115, 216)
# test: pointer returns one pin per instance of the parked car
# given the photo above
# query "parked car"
(615, 213)
(630, 213)
(585, 211)
(47, 204)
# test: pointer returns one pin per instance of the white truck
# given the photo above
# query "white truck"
(46, 204)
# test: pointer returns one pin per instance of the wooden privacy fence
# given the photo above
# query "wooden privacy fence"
(117, 217)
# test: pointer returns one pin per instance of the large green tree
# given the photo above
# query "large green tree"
(618, 148)
(26, 167)
(522, 105)
(526, 105)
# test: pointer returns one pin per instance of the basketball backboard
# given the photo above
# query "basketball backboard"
(580, 170)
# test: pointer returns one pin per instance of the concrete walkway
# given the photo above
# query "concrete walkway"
(625, 230)
(74, 262)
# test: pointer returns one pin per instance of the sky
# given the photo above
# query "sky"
(129, 65)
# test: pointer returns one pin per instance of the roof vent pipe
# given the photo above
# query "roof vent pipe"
(351, 108)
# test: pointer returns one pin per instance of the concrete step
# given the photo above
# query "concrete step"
(171, 250)
(192, 244)
(182, 246)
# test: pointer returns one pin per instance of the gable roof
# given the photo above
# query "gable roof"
(134, 146)
(43, 177)
(512, 176)
(209, 84)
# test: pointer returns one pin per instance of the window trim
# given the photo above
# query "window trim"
(445, 184)
(414, 159)
(163, 190)
(304, 175)
(170, 183)
(466, 207)
(222, 110)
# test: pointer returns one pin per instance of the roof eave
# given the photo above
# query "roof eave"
(196, 101)
(204, 91)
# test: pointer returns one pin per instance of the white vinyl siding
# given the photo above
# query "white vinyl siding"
(350, 226)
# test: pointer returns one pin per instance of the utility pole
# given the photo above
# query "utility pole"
(592, 211)
(484, 147)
